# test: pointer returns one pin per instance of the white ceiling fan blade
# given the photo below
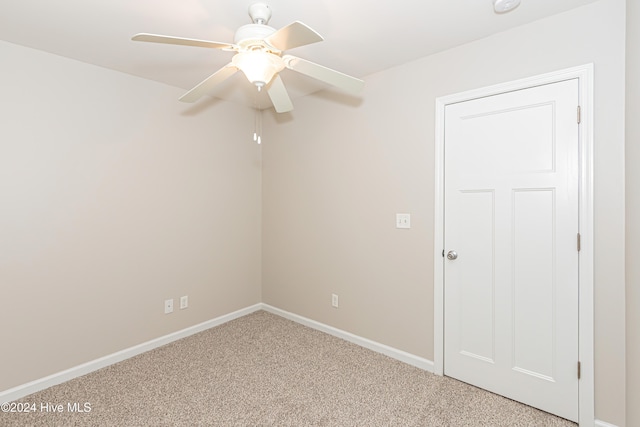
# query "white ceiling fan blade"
(279, 96)
(155, 38)
(327, 75)
(293, 35)
(209, 83)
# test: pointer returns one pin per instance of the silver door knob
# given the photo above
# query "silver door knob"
(452, 255)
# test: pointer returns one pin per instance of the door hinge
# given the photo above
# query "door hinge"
(579, 370)
(579, 115)
(578, 242)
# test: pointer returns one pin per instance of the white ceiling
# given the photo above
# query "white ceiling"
(361, 37)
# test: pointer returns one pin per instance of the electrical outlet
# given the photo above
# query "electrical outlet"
(334, 300)
(168, 306)
(184, 302)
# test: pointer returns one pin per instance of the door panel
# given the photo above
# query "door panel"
(476, 332)
(533, 282)
(511, 214)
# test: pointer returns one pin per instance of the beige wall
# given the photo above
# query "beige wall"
(113, 198)
(632, 155)
(341, 168)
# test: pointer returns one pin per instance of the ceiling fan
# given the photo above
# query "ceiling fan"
(259, 55)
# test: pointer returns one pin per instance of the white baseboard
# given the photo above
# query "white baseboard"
(599, 423)
(102, 362)
(394, 353)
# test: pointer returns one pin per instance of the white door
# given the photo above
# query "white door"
(511, 217)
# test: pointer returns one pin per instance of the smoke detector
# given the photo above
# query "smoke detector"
(504, 6)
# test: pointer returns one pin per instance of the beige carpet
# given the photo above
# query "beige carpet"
(263, 370)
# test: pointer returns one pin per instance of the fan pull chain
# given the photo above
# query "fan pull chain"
(257, 126)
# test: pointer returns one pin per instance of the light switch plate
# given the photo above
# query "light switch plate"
(403, 220)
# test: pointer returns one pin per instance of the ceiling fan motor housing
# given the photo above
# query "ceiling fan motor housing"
(252, 34)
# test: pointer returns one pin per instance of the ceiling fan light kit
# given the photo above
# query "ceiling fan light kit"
(259, 55)
(258, 66)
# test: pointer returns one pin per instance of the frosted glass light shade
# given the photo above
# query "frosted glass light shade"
(258, 66)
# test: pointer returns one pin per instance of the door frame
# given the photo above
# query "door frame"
(584, 74)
